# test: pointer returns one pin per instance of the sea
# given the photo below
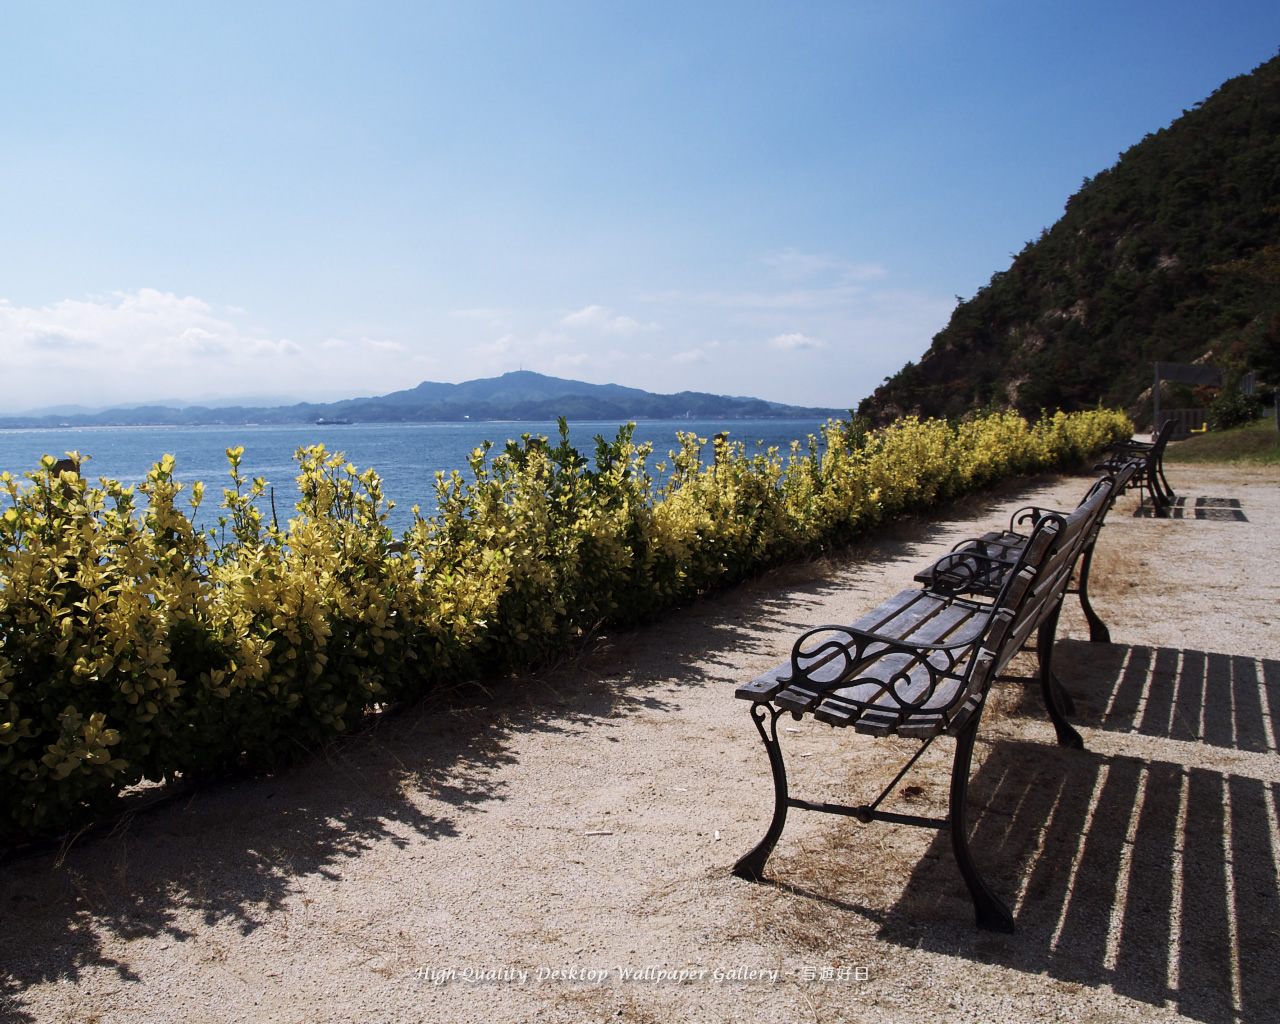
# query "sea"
(406, 455)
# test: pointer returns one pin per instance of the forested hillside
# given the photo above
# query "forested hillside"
(1172, 253)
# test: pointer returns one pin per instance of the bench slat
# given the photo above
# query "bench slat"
(764, 686)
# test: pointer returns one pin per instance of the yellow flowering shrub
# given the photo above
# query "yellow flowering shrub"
(134, 646)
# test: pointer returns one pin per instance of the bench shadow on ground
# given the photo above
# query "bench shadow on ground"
(1155, 877)
(236, 853)
(1227, 510)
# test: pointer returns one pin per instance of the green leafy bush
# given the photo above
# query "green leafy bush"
(1233, 409)
(133, 646)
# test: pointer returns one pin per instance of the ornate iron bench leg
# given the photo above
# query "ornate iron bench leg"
(1098, 631)
(751, 865)
(1169, 496)
(989, 910)
(1050, 687)
(1160, 501)
(1065, 700)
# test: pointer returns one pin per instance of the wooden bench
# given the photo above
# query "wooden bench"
(1150, 469)
(919, 666)
(1004, 547)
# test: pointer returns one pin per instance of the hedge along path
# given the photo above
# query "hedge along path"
(135, 647)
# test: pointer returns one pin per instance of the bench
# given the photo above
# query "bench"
(1003, 548)
(920, 666)
(1150, 470)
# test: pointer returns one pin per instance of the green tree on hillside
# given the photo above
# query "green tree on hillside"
(1171, 254)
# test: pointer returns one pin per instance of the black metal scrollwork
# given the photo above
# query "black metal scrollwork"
(859, 656)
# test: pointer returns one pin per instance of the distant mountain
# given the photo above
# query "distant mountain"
(212, 402)
(519, 395)
(1172, 254)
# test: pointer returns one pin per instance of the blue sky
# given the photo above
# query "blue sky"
(324, 200)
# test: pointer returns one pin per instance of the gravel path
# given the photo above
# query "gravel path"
(560, 851)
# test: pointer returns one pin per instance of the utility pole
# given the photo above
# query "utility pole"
(1155, 404)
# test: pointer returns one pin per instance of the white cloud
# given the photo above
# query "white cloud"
(542, 340)
(135, 346)
(693, 355)
(367, 344)
(382, 345)
(864, 272)
(498, 346)
(601, 318)
(793, 263)
(795, 342)
(143, 328)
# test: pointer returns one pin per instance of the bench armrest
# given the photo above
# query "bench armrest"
(1129, 446)
(1029, 515)
(970, 571)
(1119, 460)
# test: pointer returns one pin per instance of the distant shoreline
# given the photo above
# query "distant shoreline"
(22, 423)
(517, 397)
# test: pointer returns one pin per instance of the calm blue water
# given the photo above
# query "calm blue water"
(406, 455)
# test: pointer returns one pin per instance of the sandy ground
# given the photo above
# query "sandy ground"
(546, 854)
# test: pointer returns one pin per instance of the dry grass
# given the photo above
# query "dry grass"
(1257, 443)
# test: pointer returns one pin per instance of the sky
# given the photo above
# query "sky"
(285, 201)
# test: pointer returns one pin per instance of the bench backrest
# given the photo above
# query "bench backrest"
(923, 661)
(1117, 479)
(1034, 587)
(1161, 439)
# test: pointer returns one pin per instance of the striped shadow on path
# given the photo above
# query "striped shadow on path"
(1147, 863)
